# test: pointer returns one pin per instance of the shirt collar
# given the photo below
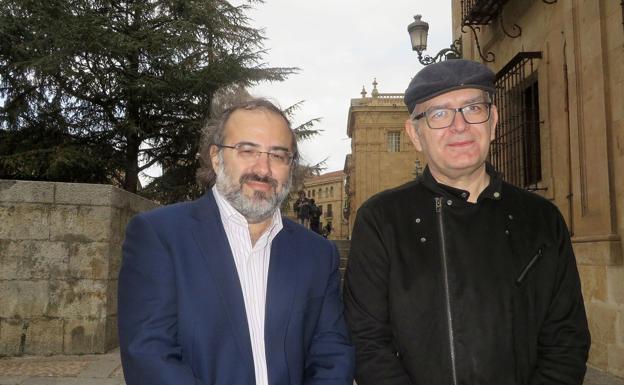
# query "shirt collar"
(492, 191)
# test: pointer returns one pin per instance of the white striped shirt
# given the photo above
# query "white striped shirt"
(252, 264)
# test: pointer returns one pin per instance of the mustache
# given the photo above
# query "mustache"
(258, 178)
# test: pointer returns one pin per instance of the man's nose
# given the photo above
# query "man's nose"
(459, 123)
(262, 164)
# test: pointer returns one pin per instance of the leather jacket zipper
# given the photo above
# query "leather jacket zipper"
(529, 266)
(449, 315)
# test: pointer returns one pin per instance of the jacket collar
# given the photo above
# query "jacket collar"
(492, 191)
(281, 285)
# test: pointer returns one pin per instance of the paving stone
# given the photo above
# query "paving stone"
(11, 380)
(71, 381)
(43, 367)
(597, 377)
(101, 368)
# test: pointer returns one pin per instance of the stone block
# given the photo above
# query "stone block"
(24, 221)
(114, 263)
(598, 356)
(593, 282)
(597, 252)
(118, 224)
(133, 202)
(77, 298)
(23, 299)
(80, 223)
(84, 336)
(111, 298)
(44, 337)
(25, 259)
(112, 333)
(602, 322)
(26, 191)
(89, 260)
(620, 328)
(83, 194)
(11, 331)
(616, 359)
(615, 283)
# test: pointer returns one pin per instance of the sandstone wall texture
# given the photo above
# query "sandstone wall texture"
(60, 252)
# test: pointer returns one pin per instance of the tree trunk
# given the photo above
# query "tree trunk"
(131, 179)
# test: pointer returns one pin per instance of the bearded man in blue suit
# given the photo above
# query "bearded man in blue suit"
(223, 290)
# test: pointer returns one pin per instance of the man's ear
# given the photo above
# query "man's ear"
(412, 132)
(214, 155)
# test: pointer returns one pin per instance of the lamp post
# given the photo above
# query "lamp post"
(418, 31)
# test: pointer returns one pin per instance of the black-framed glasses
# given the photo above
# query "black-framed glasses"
(473, 113)
(250, 152)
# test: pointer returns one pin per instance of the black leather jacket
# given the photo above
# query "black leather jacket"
(442, 291)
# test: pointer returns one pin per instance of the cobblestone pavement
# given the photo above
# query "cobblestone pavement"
(95, 369)
(105, 369)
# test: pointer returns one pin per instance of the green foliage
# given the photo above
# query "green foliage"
(99, 90)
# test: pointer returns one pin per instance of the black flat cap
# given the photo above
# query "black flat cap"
(449, 75)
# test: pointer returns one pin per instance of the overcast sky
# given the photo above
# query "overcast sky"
(340, 46)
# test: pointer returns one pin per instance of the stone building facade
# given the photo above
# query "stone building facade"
(382, 155)
(328, 193)
(560, 87)
(60, 252)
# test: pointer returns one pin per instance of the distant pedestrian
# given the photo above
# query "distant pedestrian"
(315, 217)
(327, 229)
(302, 209)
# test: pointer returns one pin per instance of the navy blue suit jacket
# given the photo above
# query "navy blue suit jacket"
(182, 317)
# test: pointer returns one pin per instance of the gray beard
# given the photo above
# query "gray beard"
(256, 209)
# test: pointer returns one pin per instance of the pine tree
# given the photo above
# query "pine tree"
(100, 90)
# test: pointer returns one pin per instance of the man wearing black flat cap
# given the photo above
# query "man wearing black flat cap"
(459, 277)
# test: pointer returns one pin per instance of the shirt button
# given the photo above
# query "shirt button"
(449, 202)
(506, 232)
(464, 194)
(497, 195)
(417, 220)
(423, 240)
(510, 216)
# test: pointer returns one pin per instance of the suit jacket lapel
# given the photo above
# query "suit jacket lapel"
(212, 240)
(281, 287)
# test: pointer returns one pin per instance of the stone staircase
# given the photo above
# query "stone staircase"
(343, 249)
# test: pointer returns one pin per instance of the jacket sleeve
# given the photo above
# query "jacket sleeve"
(330, 358)
(366, 305)
(563, 339)
(147, 313)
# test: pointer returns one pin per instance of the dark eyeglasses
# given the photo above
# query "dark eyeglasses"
(474, 113)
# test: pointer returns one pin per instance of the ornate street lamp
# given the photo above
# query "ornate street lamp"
(418, 34)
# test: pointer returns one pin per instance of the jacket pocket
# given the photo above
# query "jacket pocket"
(525, 272)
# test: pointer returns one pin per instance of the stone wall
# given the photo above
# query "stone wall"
(60, 251)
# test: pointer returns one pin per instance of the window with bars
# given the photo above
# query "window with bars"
(516, 151)
(394, 141)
